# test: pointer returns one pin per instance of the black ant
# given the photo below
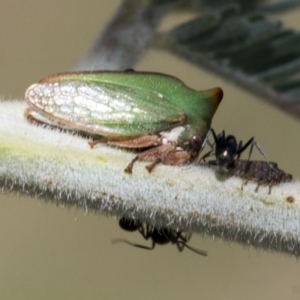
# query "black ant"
(159, 236)
(226, 148)
(227, 152)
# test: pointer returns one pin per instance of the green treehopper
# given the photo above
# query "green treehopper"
(153, 112)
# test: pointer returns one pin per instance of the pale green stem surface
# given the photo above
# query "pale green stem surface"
(62, 168)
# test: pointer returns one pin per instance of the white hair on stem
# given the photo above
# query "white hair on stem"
(62, 168)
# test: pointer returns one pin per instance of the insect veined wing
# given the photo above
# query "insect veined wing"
(198, 106)
(105, 109)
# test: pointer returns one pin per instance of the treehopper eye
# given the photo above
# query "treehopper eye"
(137, 110)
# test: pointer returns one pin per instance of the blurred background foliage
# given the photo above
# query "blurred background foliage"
(246, 42)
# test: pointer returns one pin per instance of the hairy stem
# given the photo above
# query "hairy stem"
(62, 168)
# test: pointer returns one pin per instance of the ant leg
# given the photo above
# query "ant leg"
(206, 138)
(251, 149)
(206, 141)
(181, 242)
(146, 233)
(208, 154)
(213, 163)
(184, 238)
(252, 142)
(132, 244)
(180, 245)
(240, 146)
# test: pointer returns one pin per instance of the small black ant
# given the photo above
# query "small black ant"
(226, 148)
(227, 152)
(159, 236)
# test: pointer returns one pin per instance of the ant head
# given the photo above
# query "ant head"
(222, 140)
(226, 149)
(129, 224)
